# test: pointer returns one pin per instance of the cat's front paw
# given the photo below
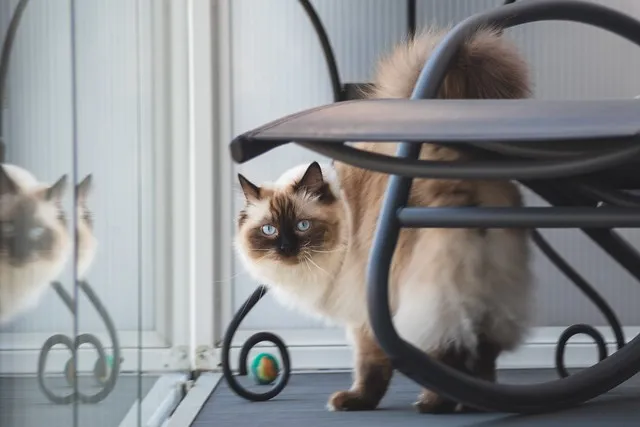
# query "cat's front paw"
(432, 403)
(350, 401)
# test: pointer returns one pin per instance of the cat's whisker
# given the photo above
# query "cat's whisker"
(261, 258)
(306, 262)
(315, 251)
(319, 268)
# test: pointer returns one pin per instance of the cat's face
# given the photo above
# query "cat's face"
(290, 228)
(32, 222)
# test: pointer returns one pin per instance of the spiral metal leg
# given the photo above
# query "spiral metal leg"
(106, 369)
(251, 342)
(593, 296)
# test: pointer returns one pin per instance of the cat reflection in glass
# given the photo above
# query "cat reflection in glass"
(35, 243)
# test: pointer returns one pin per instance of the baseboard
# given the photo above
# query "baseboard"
(17, 341)
(25, 362)
(328, 350)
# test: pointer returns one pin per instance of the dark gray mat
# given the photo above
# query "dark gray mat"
(302, 403)
(22, 404)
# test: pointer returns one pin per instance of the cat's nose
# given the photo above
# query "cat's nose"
(20, 249)
(288, 249)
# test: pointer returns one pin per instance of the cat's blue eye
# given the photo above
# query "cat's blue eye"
(269, 230)
(303, 225)
(36, 232)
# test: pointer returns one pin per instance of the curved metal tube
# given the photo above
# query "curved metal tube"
(334, 74)
(519, 170)
(540, 150)
(593, 296)
(608, 240)
(251, 342)
(429, 373)
(5, 59)
(102, 364)
(608, 196)
(5, 56)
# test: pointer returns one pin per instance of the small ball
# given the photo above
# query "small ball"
(264, 369)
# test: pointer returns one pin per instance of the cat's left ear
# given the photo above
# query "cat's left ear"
(56, 191)
(83, 189)
(250, 190)
(7, 184)
(312, 180)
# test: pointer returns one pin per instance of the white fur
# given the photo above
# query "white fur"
(439, 307)
(21, 288)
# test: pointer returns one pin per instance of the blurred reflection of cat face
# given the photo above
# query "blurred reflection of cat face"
(34, 240)
(32, 221)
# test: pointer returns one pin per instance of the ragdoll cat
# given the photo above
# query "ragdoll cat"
(87, 242)
(34, 241)
(461, 295)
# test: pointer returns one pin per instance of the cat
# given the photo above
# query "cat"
(87, 242)
(34, 241)
(463, 296)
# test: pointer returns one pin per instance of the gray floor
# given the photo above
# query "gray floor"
(302, 403)
(22, 404)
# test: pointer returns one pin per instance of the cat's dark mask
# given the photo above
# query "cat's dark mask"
(25, 236)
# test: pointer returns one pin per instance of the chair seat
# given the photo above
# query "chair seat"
(449, 121)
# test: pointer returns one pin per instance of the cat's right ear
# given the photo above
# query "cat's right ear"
(250, 190)
(56, 191)
(7, 184)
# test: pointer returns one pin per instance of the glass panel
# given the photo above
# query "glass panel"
(36, 205)
(115, 100)
(107, 193)
(85, 132)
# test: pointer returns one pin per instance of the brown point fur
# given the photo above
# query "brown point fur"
(371, 378)
(488, 67)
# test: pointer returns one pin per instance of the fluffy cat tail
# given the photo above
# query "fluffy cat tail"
(487, 66)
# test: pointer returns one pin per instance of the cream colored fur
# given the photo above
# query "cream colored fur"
(447, 282)
(447, 286)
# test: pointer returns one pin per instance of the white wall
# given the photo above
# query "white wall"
(113, 122)
(278, 69)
